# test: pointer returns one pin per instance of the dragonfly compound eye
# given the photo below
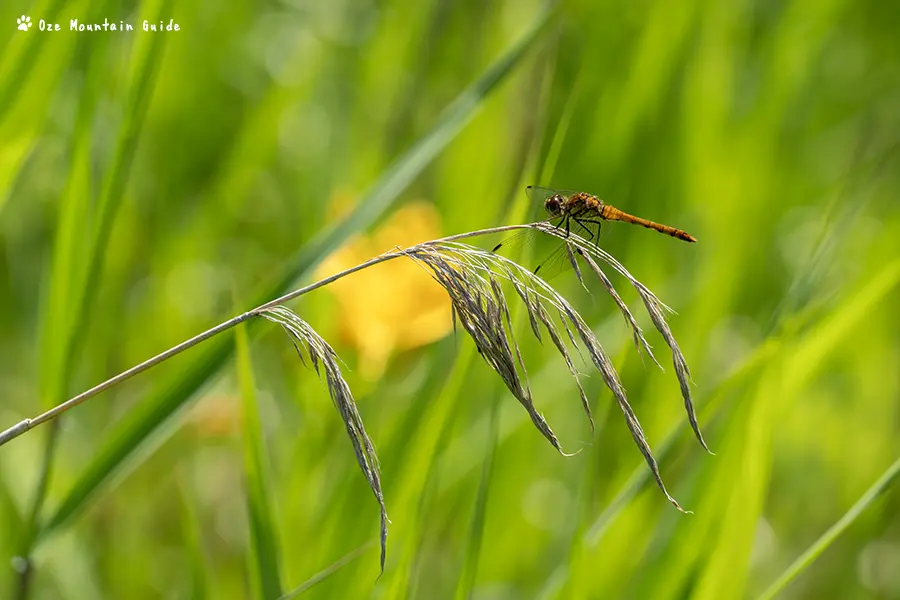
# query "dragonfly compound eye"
(553, 205)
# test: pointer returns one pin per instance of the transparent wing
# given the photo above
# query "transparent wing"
(539, 194)
(546, 253)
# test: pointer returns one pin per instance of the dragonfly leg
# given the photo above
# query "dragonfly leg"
(566, 221)
(595, 237)
(581, 223)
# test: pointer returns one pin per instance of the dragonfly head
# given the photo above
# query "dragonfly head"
(554, 205)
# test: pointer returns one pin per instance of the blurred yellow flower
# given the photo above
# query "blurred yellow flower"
(216, 416)
(393, 306)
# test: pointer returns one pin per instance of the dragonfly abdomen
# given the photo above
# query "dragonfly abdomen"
(611, 213)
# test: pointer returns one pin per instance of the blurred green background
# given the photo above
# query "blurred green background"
(153, 185)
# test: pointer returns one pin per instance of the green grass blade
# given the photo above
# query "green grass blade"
(476, 532)
(30, 72)
(65, 320)
(74, 254)
(559, 135)
(263, 539)
(58, 310)
(820, 545)
(26, 61)
(199, 564)
(126, 148)
(142, 423)
(804, 360)
(137, 430)
(327, 572)
(842, 321)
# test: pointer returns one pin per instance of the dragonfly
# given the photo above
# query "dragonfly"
(584, 213)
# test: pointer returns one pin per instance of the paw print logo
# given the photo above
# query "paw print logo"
(24, 23)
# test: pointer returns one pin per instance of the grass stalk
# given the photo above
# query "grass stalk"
(472, 279)
(27, 424)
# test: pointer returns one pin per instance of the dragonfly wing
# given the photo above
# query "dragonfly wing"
(522, 248)
(530, 244)
(536, 193)
(556, 263)
(519, 243)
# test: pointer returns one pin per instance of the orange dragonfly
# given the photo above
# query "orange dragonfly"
(580, 211)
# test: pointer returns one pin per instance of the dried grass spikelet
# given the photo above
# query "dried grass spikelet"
(473, 277)
(655, 309)
(323, 358)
